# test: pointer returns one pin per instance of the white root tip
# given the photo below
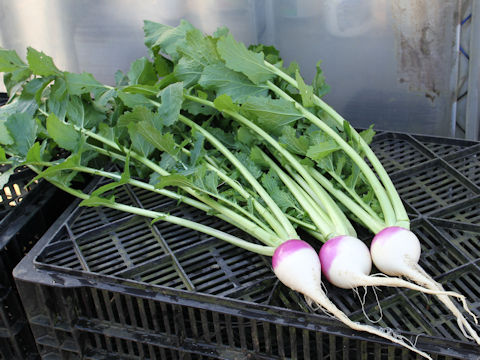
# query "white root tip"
(322, 301)
(418, 275)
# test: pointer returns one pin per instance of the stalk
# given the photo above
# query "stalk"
(367, 220)
(288, 230)
(332, 209)
(380, 192)
(269, 218)
(400, 212)
(189, 201)
(230, 216)
(354, 195)
(319, 218)
(259, 249)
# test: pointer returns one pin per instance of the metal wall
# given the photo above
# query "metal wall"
(391, 63)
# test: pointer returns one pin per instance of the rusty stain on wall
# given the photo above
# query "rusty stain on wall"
(423, 36)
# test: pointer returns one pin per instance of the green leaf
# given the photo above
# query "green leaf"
(272, 55)
(102, 98)
(297, 145)
(139, 143)
(85, 83)
(197, 51)
(325, 163)
(162, 65)
(225, 81)
(306, 91)
(225, 103)
(75, 111)
(197, 150)
(245, 136)
(148, 90)
(165, 37)
(196, 108)
(163, 142)
(188, 71)
(249, 164)
(58, 99)
(283, 198)
(5, 176)
(34, 153)
(41, 64)
(352, 180)
(120, 78)
(124, 178)
(106, 131)
(25, 103)
(93, 117)
(368, 134)
(271, 114)
(14, 80)
(238, 58)
(3, 156)
(5, 137)
(63, 134)
(176, 180)
(10, 61)
(67, 164)
(142, 72)
(41, 90)
(94, 201)
(319, 151)
(226, 138)
(132, 100)
(320, 87)
(22, 128)
(139, 113)
(257, 157)
(172, 98)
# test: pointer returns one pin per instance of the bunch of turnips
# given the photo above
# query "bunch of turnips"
(231, 131)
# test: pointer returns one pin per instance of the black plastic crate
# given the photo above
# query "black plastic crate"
(102, 284)
(25, 214)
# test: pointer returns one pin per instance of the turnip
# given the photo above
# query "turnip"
(396, 251)
(297, 265)
(346, 263)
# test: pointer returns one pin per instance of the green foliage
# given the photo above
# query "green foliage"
(271, 114)
(229, 82)
(23, 130)
(238, 58)
(142, 71)
(62, 133)
(41, 64)
(10, 61)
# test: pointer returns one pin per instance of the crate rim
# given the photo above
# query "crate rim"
(56, 276)
(31, 270)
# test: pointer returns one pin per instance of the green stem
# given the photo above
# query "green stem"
(313, 196)
(354, 195)
(259, 249)
(333, 211)
(170, 194)
(287, 231)
(382, 196)
(400, 212)
(230, 216)
(367, 220)
(318, 217)
(268, 217)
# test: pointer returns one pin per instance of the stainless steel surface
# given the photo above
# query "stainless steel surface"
(472, 117)
(391, 63)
